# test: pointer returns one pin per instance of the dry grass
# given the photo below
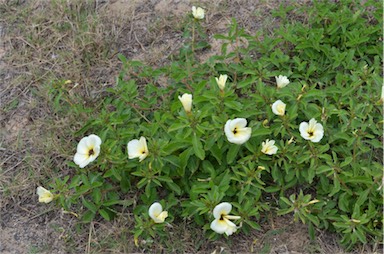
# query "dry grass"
(48, 42)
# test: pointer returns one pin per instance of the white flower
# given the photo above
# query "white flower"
(313, 131)
(282, 81)
(268, 147)
(87, 150)
(137, 149)
(45, 196)
(186, 100)
(221, 81)
(236, 131)
(156, 213)
(278, 108)
(222, 223)
(198, 13)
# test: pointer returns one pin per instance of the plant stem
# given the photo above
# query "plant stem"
(193, 37)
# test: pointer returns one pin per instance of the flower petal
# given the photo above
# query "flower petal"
(41, 190)
(227, 129)
(93, 140)
(186, 101)
(232, 217)
(81, 159)
(238, 123)
(242, 135)
(312, 123)
(318, 133)
(236, 131)
(45, 196)
(155, 209)
(303, 128)
(133, 147)
(222, 209)
(219, 226)
(162, 216)
(82, 146)
(86, 144)
(278, 108)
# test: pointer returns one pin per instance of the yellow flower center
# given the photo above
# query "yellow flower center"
(235, 131)
(310, 133)
(222, 217)
(91, 152)
(280, 108)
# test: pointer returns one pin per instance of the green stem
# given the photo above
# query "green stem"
(193, 37)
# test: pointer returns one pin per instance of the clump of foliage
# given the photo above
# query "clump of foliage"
(333, 62)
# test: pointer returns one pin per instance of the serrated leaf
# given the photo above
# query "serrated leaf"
(232, 152)
(346, 162)
(88, 204)
(271, 189)
(198, 147)
(88, 216)
(104, 214)
(174, 187)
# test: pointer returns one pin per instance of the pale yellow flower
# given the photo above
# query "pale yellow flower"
(186, 100)
(281, 81)
(156, 213)
(236, 131)
(222, 223)
(137, 149)
(312, 131)
(268, 147)
(198, 13)
(221, 81)
(278, 108)
(87, 150)
(45, 196)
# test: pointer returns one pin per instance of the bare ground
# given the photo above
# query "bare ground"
(147, 30)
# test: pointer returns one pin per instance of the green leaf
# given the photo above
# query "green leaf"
(359, 179)
(311, 230)
(198, 147)
(184, 157)
(260, 131)
(113, 172)
(88, 216)
(344, 202)
(360, 234)
(232, 152)
(91, 206)
(217, 153)
(85, 181)
(174, 187)
(323, 169)
(125, 183)
(253, 224)
(176, 126)
(104, 214)
(233, 105)
(336, 186)
(75, 182)
(346, 162)
(96, 194)
(271, 189)
(360, 201)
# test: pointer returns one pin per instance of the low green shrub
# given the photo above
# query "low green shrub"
(177, 136)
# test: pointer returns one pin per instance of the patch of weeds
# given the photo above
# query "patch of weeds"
(211, 154)
(188, 159)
